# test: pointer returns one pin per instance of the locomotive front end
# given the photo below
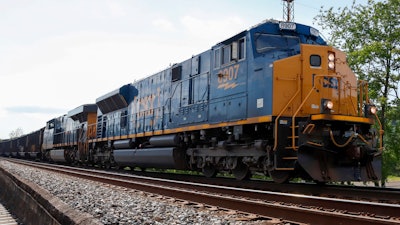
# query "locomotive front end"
(338, 141)
(324, 119)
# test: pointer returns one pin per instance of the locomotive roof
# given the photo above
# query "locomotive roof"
(117, 99)
(275, 27)
(80, 112)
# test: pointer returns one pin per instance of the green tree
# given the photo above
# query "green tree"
(370, 34)
(392, 144)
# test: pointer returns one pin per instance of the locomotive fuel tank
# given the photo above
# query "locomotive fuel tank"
(58, 155)
(163, 158)
(164, 140)
(123, 144)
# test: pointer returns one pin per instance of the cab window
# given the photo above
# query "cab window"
(267, 42)
(315, 60)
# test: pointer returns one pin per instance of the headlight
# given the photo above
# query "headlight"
(373, 110)
(331, 56)
(331, 60)
(331, 65)
(370, 110)
(326, 106)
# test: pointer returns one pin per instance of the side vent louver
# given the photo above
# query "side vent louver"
(177, 73)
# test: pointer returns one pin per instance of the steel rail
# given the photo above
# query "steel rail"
(305, 209)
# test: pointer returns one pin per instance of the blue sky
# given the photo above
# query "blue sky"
(57, 55)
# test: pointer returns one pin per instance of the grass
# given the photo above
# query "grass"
(393, 179)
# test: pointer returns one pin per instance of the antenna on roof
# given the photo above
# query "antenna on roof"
(288, 10)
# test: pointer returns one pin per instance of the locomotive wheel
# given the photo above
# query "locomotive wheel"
(209, 171)
(320, 183)
(279, 176)
(241, 171)
(107, 165)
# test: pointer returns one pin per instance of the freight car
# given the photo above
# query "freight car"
(25, 146)
(273, 99)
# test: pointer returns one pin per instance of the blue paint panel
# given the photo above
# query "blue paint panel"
(194, 113)
(231, 108)
(228, 80)
(260, 88)
(217, 112)
(188, 102)
(237, 108)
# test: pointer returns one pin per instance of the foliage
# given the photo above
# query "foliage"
(16, 133)
(391, 155)
(370, 34)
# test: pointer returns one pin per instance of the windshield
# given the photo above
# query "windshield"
(268, 42)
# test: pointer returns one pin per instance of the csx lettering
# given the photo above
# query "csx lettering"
(228, 74)
(330, 82)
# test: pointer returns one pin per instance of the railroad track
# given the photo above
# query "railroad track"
(6, 218)
(290, 207)
(372, 194)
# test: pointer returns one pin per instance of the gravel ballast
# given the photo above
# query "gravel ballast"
(115, 205)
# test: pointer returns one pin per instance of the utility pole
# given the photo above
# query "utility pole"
(288, 10)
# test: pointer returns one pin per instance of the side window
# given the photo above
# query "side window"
(217, 58)
(226, 54)
(177, 73)
(124, 118)
(241, 49)
(229, 53)
(50, 125)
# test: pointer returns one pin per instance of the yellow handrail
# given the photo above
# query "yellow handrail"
(283, 110)
(380, 133)
(364, 88)
(303, 102)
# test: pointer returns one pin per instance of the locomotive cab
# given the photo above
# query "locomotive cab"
(323, 119)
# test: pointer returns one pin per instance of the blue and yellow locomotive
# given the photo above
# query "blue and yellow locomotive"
(273, 99)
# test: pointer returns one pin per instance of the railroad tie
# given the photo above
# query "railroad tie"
(6, 218)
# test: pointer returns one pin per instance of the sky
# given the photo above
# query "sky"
(56, 55)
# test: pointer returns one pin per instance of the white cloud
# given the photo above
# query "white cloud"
(116, 9)
(76, 67)
(164, 25)
(3, 113)
(213, 29)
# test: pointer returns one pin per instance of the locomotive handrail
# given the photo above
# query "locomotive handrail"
(180, 83)
(362, 85)
(347, 85)
(303, 102)
(380, 133)
(283, 110)
(364, 88)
